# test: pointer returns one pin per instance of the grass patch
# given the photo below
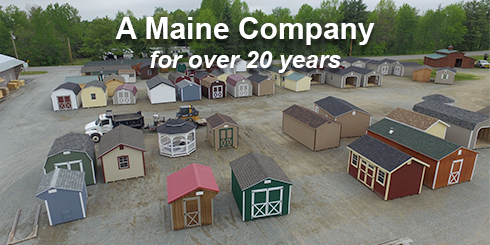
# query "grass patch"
(477, 57)
(465, 77)
(32, 72)
(78, 62)
(419, 61)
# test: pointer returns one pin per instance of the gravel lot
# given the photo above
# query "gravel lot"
(328, 205)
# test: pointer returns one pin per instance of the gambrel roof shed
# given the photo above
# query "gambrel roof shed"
(337, 107)
(122, 135)
(129, 87)
(188, 179)
(70, 86)
(95, 83)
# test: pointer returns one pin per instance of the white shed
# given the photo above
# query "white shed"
(238, 86)
(240, 65)
(125, 94)
(160, 90)
(67, 96)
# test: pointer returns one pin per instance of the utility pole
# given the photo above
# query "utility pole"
(350, 52)
(69, 49)
(13, 42)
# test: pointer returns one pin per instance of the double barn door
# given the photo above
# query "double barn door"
(123, 97)
(243, 90)
(217, 92)
(225, 137)
(267, 202)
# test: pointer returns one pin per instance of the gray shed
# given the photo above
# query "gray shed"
(385, 67)
(125, 94)
(188, 91)
(352, 77)
(353, 61)
(238, 86)
(445, 75)
(64, 194)
(405, 69)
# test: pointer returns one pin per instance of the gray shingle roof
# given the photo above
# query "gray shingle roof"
(218, 119)
(176, 126)
(439, 98)
(336, 106)
(303, 69)
(62, 179)
(306, 116)
(447, 68)
(384, 155)
(257, 78)
(185, 83)
(157, 80)
(254, 168)
(217, 73)
(73, 142)
(173, 75)
(376, 62)
(295, 76)
(485, 111)
(389, 60)
(95, 83)
(201, 74)
(124, 135)
(70, 86)
(275, 69)
(349, 69)
(114, 76)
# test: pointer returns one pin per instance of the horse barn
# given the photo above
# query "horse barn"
(125, 94)
(238, 86)
(449, 58)
(310, 129)
(260, 187)
(190, 193)
(175, 77)
(213, 88)
(222, 131)
(67, 96)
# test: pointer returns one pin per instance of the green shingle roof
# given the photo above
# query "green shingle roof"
(435, 56)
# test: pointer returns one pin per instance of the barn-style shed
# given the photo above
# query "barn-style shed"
(213, 88)
(422, 74)
(64, 194)
(188, 91)
(424, 123)
(160, 90)
(94, 94)
(238, 86)
(175, 77)
(125, 94)
(190, 193)
(262, 85)
(81, 80)
(385, 170)
(310, 129)
(176, 138)
(354, 120)
(128, 74)
(222, 131)
(445, 75)
(112, 82)
(147, 72)
(67, 96)
(122, 154)
(260, 187)
(75, 152)
(297, 82)
(199, 76)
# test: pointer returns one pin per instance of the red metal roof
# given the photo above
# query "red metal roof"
(189, 179)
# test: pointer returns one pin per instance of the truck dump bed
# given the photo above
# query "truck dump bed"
(134, 120)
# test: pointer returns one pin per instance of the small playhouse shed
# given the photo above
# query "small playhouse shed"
(238, 86)
(175, 77)
(94, 94)
(190, 193)
(160, 90)
(147, 72)
(445, 75)
(128, 74)
(112, 82)
(424, 123)
(188, 91)
(354, 120)
(262, 85)
(64, 194)
(297, 82)
(176, 138)
(125, 94)
(422, 74)
(75, 152)
(310, 129)
(122, 154)
(199, 76)
(213, 88)
(385, 170)
(260, 187)
(67, 96)
(222, 131)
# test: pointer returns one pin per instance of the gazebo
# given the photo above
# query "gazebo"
(177, 137)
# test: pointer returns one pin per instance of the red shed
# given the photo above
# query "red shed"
(175, 77)
(199, 76)
(450, 58)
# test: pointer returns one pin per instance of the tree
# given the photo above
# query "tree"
(477, 25)
(406, 21)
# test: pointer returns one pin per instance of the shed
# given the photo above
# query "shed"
(147, 72)
(10, 68)
(199, 76)
(176, 138)
(240, 65)
(422, 74)
(438, 98)
(81, 80)
(219, 74)
(160, 90)
(277, 76)
(64, 194)
(222, 131)
(181, 67)
(353, 61)
(344, 78)
(262, 85)
(122, 154)
(75, 152)
(384, 169)
(94, 94)
(297, 82)
(67, 96)
(190, 193)
(424, 123)
(238, 86)
(175, 77)
(310, 129)
(213, 88)
(385, 66)
(467, 128)
(260, 187)
(449, 58)
(445, 75)
(112, 82)
(354, 120)
(405, 69)
(125, 94)
(315, 74)
(188, 91)
(102, 68)
(128, 74)
(449, 163)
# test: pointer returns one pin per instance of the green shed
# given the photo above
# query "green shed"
(75, 152)
(181, 67)
(260, 187)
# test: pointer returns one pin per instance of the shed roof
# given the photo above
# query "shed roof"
(435, 56)
(147, 64)
(254, 168)
(337, 107)
(121, 135)
(73, 142)
(410, 63)
(114, 76)
(157, 80)
(63, 179)
(412, 118)
(257, 78)
(69, 86)
(234, 78)
(188, 179)
(295, 76)
(81, 79)
(384, 155)
(352, 59)
(7, 62)
(446, 51)
(176, 126)
(448, 69)
(173, 75)
(184, 83)
(126, 71)
(116, 62)
(424, 143)
(306, 116)
(376, 62)
(201, 74)
(219, 119)
(303, 69)
(129, 87)
(389, 60)
(276, 69)
(438, 98)
(349, 69)
(451, 114)
(96, 83)
(217, 73)
(485, 111)
(206, 82)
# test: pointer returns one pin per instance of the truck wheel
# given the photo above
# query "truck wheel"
(95, 138)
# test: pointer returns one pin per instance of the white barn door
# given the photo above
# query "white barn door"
(123, 97)
(455, 172)
(242, 90)
(267, 202)
(218, 92)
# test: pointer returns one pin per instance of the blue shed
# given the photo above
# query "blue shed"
(187, 91)
(64, 194)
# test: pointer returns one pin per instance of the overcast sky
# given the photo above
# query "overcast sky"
(90, 9)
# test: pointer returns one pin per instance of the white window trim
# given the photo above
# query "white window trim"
(384, 177)
(352, 160)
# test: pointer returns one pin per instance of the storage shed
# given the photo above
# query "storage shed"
(385, 66)
(122, 154)
(310, 129)
(354, 120)
(343, 78)
(260, 187)
(10, 68)
(449, 163)
(219, 74)
(353, 61)
(147, 72)
(67, 96)
(315, 74)
(112, 82)
(175, 77)
(181, 67)
(467, 128)
(277, 76)
(445, 75)
(262, 85)
(199, 76)
(188, 91)
(190, 193)
(405, 69)
(222, 131)
(81, 80)
(64, 194)
(297, 82)
(125, 94)
(422, 74)
(176, 138)
(424, 123)
(75, 152)
(94, 94)
(238, 86)
(213, 88)
(384, 169)
(128, 74)
(160, 90)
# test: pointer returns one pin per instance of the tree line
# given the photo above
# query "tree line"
(41, 34)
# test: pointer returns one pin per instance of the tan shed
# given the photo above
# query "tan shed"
(222, 131)
(310, 129)
(422, 74)
(424, 123)
(112, 82)
(262, 85)
(445, 75)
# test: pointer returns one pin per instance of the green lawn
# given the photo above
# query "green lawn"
(32, 72)
(420, 61)
(477, 57)
(460, 76)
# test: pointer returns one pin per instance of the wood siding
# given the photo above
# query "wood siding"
(100, 97)
(110, 165)
(324, 137)
(406, 180)
(352, 125)
(206, 211)
(422, 75)
(264, 88)
(214, 135)
(450, 61)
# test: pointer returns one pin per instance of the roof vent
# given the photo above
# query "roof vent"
(450, 47)
(391, 131)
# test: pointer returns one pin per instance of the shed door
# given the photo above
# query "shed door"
(397, 71)
(73, 165)
(267, 202)
(192, 211)
(366, 173)
(217, 92)
(242, 89)
(64, 102)
(123, 97)
(225, 137)
(384, 70)
(455, 172)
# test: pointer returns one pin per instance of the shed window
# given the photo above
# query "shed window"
(381, 177)
(354, 160)
(275, 77)
(123, 162)
(149, 73)
(445, 76)
(121, 147)
(459, 152)
(92, 95)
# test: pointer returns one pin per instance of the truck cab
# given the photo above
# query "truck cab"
(99, 127)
